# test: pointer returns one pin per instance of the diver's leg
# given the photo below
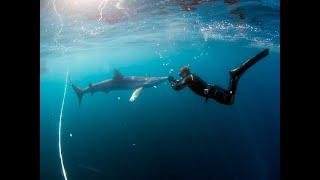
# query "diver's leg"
(233, 84)
(237, 72)
(221, 95)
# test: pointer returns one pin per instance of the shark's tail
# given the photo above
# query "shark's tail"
(78, 91)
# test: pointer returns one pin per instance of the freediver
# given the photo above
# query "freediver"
(200, 87)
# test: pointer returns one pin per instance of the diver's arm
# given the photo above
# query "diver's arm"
(178, 85)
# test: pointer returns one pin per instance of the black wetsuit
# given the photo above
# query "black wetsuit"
(200, 87)
(224, 96)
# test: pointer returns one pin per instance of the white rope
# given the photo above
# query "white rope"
(60, 119)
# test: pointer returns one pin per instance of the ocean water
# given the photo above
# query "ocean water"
(165, 134)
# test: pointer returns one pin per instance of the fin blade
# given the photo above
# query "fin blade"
(250, 62)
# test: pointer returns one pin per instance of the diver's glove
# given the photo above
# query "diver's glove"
(170, 78)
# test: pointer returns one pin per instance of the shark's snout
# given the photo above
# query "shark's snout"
(164, 78)
(155, 81)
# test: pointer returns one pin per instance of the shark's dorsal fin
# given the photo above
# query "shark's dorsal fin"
(117, 75)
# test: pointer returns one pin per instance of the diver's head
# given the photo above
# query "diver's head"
(184, 71)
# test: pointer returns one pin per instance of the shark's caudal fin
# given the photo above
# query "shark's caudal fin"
(78, 91)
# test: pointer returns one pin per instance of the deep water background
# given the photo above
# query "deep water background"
(165, 134)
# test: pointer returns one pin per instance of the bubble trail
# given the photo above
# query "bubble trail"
(60, 120)
(101, 7)
(58, 34)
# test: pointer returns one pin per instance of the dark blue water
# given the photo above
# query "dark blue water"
(165, 134)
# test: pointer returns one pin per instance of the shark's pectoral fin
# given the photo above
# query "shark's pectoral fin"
(135, 94)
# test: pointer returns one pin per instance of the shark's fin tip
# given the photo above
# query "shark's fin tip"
(117, 74)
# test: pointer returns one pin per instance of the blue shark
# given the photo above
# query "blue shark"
(120, 82)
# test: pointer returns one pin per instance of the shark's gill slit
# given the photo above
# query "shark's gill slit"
(60, 119)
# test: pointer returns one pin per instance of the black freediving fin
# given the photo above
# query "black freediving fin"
(250, 62)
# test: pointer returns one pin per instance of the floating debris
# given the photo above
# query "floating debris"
(90, 168)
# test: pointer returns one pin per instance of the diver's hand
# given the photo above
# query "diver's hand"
(170, 78)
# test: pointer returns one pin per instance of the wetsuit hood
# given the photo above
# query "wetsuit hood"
(184, 71)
